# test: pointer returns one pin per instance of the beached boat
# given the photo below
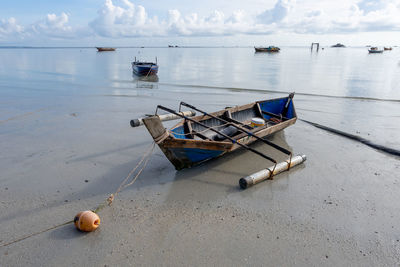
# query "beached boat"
(267, 49)
(210, 135)
(105, 49)
(373, 50)
(201, 138)
(144, 68)
(338, 45)
(204, 137)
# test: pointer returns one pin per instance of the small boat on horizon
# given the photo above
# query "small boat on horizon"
(105, 49)
(267, 49)
(387, 48)
(338, 45)
(374, 50)
(144, 68)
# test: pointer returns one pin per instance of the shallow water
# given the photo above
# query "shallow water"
(344, 88)
(66, 145)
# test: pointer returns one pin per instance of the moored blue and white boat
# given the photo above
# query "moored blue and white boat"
(374, 50)
(144, 68)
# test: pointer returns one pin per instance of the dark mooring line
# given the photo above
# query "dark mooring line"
(360, 139)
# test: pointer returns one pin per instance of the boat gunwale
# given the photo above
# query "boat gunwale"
(226, 145)
(217, 113)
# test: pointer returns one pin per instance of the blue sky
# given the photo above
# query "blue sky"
(206, 22)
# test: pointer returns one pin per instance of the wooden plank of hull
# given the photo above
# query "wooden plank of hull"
(263, 133)
(202, 144)
(176, 151)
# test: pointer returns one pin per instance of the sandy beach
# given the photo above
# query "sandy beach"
(339, 208)
(66, 145)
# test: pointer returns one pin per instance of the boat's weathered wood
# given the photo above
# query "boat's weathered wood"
(259, 110)
(202, 144)
(202, 136)
(245, 139)
(220, 133)
(155, 127)
(241, 128)
(221, 112)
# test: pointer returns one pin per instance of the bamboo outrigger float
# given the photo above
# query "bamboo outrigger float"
(197, 139)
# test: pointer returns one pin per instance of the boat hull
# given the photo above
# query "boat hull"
(375, 51)
(145, 69)
(188, 154)
(184, 151)
(105, 49)
(268, 50)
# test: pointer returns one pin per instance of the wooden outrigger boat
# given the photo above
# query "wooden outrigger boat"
(197, 139)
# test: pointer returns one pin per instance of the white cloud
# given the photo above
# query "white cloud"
(128, 20)
(54, 26)
(279, 12)
(10, 27)
(124, 19)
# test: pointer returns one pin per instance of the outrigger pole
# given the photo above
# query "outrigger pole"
(165, 117)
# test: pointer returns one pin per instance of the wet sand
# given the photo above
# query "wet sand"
(340, 208)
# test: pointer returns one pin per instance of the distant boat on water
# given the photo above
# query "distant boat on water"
(104, 49)
(374, 50)
(338, 45)
(144, 68)
(267, 49)
(387, 48)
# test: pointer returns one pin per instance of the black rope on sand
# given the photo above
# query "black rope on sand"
(360, 139)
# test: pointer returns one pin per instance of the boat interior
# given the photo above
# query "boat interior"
(271, 112)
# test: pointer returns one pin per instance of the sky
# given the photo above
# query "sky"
(198, 23)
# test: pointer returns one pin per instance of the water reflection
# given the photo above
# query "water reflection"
(149, 82)
(220, 176)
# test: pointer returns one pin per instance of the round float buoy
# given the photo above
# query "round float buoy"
(87, 221)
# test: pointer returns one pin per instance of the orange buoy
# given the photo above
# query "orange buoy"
(87, 221)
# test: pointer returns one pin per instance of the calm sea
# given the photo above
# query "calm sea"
(344, 88)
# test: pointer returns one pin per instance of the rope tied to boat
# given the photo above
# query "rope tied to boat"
(145, 159)
(162, 137)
